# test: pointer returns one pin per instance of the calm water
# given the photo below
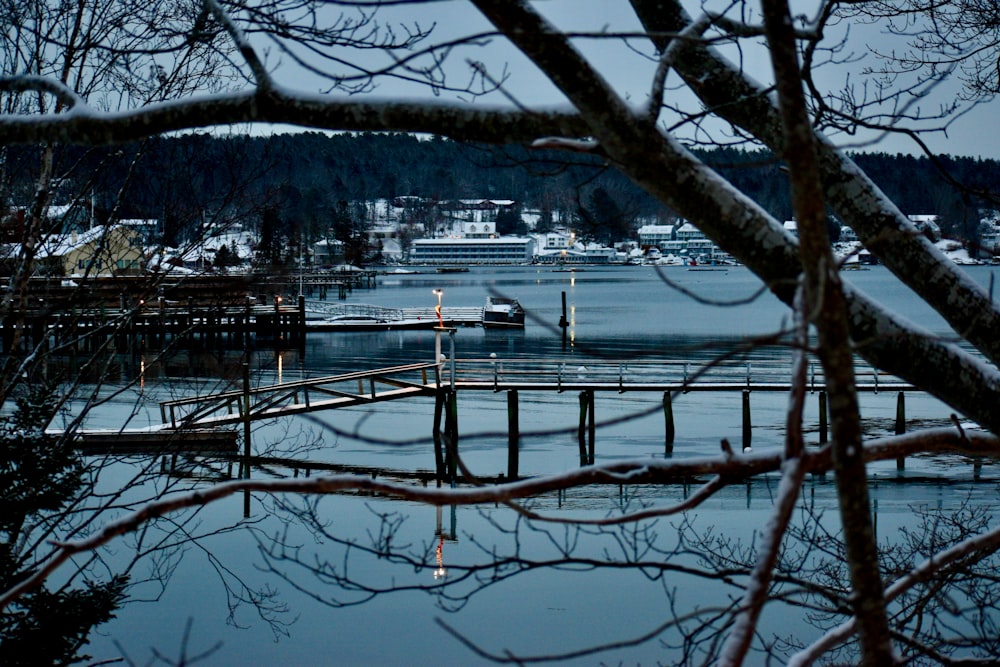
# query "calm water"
(619, 312)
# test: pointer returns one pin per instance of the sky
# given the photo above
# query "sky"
(630, 71)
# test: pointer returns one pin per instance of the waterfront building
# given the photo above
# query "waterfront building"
(503, 250)
(98, 251)
(656, 236)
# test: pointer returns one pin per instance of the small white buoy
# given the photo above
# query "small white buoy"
(747, 450)
(493, 355)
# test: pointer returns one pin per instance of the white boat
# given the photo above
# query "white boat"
(502, 313)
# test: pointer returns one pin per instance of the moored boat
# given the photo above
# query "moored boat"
(502, 312)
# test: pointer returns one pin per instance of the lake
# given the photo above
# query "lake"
(614, 312)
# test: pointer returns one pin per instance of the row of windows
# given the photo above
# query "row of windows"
(469, 255)
(97, 265)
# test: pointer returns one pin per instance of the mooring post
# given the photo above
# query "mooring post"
(747, 432)
(451, 360)
(591, 427)
(668, 419)
(900, 425)
(436, 435)
(563, 322)
(822, 417)
(245, 472)
(513, 434)
(582, 430)
(451, 435)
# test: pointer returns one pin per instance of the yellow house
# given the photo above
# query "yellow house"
(99, 251)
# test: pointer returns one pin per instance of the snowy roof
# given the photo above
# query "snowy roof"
(62, 244)
(656, 229)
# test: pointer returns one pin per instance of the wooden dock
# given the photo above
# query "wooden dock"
(156, 441)
(365, 317)
(148, 312)
(445, 381)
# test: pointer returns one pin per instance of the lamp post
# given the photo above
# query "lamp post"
(437, 309)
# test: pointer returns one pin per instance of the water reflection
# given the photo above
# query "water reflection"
(527, 586)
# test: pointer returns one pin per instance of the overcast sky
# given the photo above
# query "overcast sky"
(630, 72)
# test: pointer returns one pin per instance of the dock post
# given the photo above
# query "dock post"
(451, 360)
(513, 434)
(591, 428)
(900, 425)
(582, 430)
(245, 472)
(668, 419)
(822, 417)
(563, 322)
(747, 431)
(451, 435)
(436, 435)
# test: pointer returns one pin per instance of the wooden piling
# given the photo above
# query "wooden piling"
(668, 420)
(900, 425)
(513, 434)
(563, 322)
(582, 430)
(592, 427)
(436, 435)
(245, 472)
(823, 428)
(451, 435)
(747, 430)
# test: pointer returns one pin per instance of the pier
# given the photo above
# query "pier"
(449, 378)
(134, 314)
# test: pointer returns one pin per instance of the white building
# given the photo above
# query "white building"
(688, 232)
(327, 251)
(553, 241)
(503, 250)
(656, 235)
(463, 229)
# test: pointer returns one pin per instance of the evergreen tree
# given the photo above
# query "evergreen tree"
(40, 475)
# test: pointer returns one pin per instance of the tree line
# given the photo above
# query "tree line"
(307, 185)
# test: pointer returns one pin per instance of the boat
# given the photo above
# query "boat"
(502, 313)
(452, 269)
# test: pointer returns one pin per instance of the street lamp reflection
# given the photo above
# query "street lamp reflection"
(440, 572)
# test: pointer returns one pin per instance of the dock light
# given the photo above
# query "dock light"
(437, 309)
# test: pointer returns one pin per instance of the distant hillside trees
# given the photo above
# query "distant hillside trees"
(306, 175)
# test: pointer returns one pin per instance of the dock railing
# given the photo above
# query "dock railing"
(640, 375)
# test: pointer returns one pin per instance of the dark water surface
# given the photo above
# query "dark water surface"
(615, 312)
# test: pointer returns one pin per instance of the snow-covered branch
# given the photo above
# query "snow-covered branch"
(24, 83)
(483, 123)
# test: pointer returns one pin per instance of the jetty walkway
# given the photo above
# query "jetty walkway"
(450, 377)
(429, 379)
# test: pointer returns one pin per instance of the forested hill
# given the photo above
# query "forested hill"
(305, 178)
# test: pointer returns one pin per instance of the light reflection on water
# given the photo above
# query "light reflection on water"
(616, 312)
